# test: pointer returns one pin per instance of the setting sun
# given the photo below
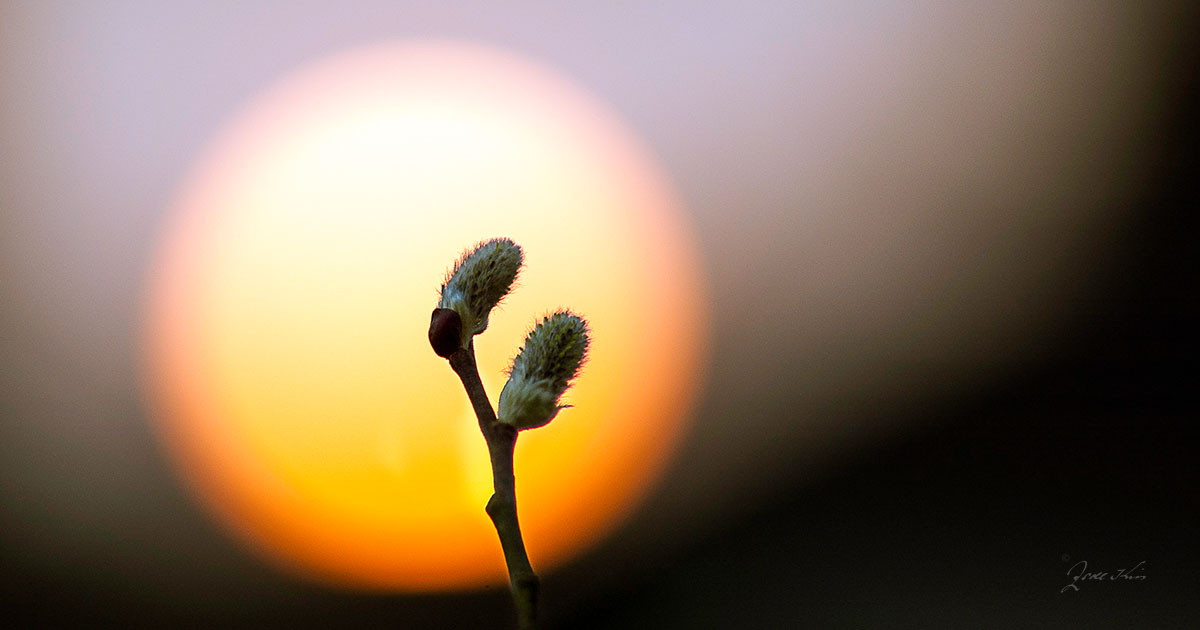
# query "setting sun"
(286, 353)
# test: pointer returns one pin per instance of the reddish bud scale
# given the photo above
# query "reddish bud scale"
(445, 331)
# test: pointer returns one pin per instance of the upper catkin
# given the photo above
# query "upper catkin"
(478, 281)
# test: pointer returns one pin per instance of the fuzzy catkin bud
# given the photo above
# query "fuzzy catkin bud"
(542, 370)
(477, 283)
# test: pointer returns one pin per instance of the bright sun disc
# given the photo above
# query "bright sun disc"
(287, 359)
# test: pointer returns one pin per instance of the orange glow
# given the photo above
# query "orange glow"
(287, 359)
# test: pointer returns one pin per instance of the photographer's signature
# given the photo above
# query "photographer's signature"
(1080, 573)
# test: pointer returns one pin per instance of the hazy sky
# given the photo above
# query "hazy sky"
(895, 202)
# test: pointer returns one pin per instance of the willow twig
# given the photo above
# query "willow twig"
(502, 506)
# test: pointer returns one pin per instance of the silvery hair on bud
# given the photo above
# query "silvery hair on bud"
(479, 280)
(543, 369)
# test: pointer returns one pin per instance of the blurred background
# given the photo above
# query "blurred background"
(950, 251)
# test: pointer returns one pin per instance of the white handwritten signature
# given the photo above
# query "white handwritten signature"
(1079, 573)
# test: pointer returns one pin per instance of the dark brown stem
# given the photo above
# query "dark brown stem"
(502, 507)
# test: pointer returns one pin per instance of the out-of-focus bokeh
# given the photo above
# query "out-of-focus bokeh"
(285, 357)
(948, 250)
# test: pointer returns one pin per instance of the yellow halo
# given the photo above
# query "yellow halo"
(286, 358)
